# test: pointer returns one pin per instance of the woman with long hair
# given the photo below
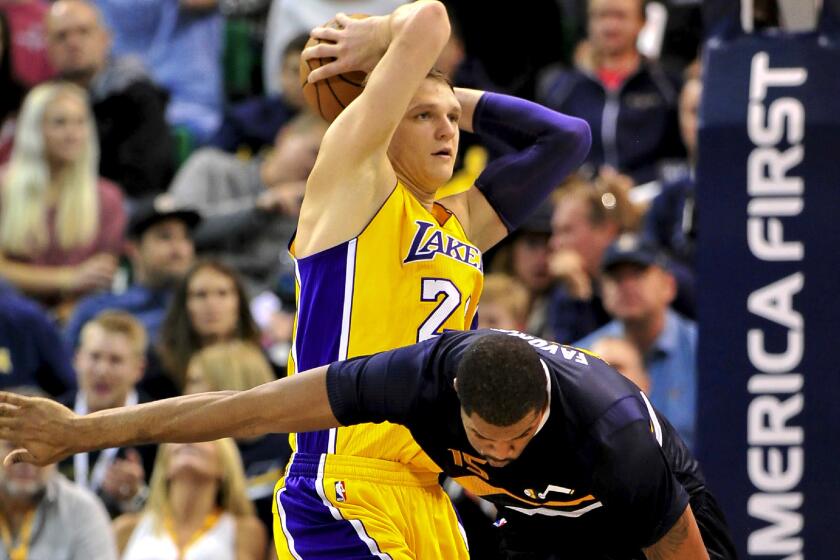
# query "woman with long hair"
(197, 509)
(61, 226)
(209, 306)
(239, 366)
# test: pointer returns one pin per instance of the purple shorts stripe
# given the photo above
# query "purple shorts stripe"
(317, 534)
(319, 319)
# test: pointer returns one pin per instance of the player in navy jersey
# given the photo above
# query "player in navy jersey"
(575, 458)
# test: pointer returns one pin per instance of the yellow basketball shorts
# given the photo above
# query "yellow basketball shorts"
(363, 508)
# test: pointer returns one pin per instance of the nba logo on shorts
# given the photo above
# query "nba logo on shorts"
(339, 491)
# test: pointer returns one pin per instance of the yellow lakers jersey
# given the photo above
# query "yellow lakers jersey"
(410, 275)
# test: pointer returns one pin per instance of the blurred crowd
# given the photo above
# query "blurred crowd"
(153, 158)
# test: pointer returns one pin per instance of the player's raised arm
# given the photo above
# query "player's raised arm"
(544, 147)
(352, 176)
(44, 431)
(681, 542)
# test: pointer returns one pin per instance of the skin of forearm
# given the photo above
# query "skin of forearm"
(36, 280)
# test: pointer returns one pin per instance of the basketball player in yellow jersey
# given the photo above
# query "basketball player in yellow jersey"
(380, 265)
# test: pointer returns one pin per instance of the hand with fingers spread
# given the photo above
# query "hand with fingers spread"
(355, 44)
(41, 430)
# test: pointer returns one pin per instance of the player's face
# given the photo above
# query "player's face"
(632, 292)
(614, 25)
(108, 367)
(212, 304)
(66, 130)
(194, 461)
(425, 143)
(500, 445)
(76, 43)
(166, 252)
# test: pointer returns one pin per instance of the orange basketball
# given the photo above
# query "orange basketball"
(329, 97)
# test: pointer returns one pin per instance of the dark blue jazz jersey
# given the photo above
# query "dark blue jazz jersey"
(604, 472)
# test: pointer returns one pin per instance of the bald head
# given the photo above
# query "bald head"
(77, 42)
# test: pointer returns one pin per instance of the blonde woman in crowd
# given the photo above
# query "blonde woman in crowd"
(198, 509)
(504, 303)
(61, 225)
(238, 366)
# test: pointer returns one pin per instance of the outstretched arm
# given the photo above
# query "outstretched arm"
(681, 542)
(544, 147)
(44, 432)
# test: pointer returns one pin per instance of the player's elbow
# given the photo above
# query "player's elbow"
(575, 139)
(430, 23)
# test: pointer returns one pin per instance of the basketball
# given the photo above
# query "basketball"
(329, 97)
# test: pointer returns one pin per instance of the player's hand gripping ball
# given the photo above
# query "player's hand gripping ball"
(330, 96)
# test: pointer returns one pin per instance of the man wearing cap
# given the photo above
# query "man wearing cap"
(161, 251)
(637, 291)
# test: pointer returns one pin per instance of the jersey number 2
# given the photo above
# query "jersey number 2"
(430, 290)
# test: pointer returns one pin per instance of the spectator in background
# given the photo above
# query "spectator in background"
(43, 515)
(161, 251)
(670, 221)
(239, 366)
(110, 360)
(587, 218)
(629, 102)
(250, 209)
(254, 123)
(638, 290)
(61, 226)
(524, 257)
(209, 306)
(621, 354)
(504, 303)
(136, 149)
(31, 353)
(288, 18)
(180, 42)
(30, 64)
(197, 508)
(13, 92)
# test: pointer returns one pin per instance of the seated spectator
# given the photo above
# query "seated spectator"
(109, 362)
(504, 303)
(250, 209)
(61, 226)
(198, 508)
(623, 356)
(524, 257)
(629, 102)
(254, 123)
(181, 45)
(135, 146)
(160, 249)
(13, 92)
(670, 221)
(209, 306)
(587, 218)
(43, 515)
(31, 353)
(30, 63)
(239, 366)
(638, 290)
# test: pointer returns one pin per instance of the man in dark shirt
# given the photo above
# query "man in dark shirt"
(572, 454)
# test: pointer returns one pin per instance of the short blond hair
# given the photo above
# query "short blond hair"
(119, 322)
(504, 290)
(233, 366)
